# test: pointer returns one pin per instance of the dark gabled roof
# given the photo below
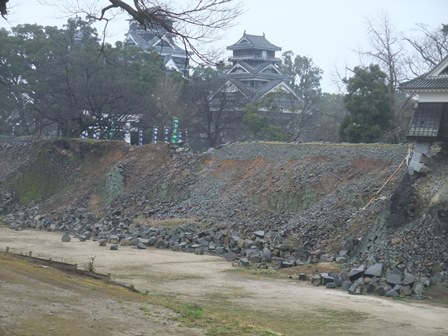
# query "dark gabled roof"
(150, 41)
(257, 76)
(266, 88)
(426, 82)
(167, 48)
(254, 42)
(255, 72)
(436, 79)
(244, 89)
(269, 87)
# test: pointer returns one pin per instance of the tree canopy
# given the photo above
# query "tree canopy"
(55, 80)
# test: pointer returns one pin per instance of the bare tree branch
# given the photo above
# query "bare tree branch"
(386, 50)
(429, 49)
(3, 8)
(192, 22)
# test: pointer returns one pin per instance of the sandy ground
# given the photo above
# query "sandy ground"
(192, 277)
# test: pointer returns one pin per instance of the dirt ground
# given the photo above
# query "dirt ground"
(193, 277)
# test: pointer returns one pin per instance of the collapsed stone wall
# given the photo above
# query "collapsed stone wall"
(285, 204)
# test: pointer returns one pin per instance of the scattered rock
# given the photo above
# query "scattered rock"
(303, 277)
(141, 246)
(66, 238)
(244, 262)
(316, 280)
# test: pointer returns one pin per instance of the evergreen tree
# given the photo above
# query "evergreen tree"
(368, 104)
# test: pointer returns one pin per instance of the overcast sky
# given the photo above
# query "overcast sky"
(328, 31)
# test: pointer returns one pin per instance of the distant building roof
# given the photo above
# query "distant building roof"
(253, 42)
(159, 40)
(255, 74)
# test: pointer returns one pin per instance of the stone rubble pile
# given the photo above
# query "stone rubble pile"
(260, 249)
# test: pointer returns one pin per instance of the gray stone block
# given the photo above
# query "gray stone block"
(287, 264)
(219, 250)
(381, 291)
(267, 254)
(408, 279)
(326, 278)
(418, 289)
(346, 284)
(374, 270)
(114, 239)
(356, 274)
(392, 293)
(355, 289)
(393, 278)
(259, 233)
(330, 285)
(229, 256)
(405, 291)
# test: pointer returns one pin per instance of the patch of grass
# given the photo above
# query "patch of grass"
(438, 294)
(45, 176)
(168, 192)
(190, 312)
(230, 319)
(24, 271)
(293, 201)
(219, 315)
(171, 223)
(291, 242)
(146, 309)
(228, 293)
